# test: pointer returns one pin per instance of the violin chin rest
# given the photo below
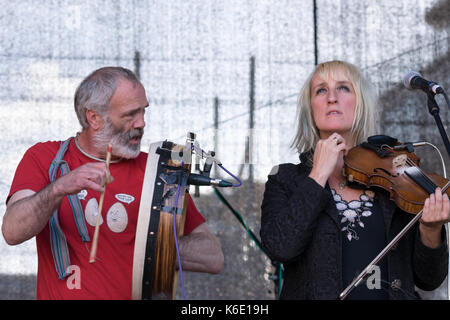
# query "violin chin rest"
(379, 140)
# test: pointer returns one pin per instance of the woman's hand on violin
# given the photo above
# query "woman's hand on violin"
(327, 154)
(436, 212)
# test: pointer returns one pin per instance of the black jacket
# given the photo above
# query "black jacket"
(299, 228)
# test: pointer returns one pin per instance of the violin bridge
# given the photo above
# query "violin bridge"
(399, 161)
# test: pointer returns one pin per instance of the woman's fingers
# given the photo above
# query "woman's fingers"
(326, 156)
(436, 209)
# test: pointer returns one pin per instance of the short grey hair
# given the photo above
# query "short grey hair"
(97, 89)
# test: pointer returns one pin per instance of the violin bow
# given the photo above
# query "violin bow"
(99, 213)
(357, 281)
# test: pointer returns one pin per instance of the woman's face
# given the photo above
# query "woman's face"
(333, 105)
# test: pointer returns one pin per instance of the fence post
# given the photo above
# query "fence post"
(216, 133)
(249, 147)
(137, 64)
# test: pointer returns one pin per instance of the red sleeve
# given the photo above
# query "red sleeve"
(32, 171)
(193, 217)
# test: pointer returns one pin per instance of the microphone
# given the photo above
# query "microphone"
(200, 180)
(414, 80)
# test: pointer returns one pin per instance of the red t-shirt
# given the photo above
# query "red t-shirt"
(110, 276)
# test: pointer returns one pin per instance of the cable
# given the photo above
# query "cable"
(254, 238)
(446, 99)
(176, 238)
(440, 155)
(236, 178)
(200, 152)
(447, 224)
(239, 217)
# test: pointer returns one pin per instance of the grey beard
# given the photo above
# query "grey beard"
(119, 141)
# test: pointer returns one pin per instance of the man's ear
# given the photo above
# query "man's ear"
(94, 119)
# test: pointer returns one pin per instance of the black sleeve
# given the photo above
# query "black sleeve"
(430, 264)
(290, 209)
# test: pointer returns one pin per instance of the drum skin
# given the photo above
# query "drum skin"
(155, 254)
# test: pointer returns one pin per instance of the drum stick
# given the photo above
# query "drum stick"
(99, 214)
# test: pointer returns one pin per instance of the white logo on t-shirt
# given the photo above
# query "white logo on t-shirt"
(124, 198)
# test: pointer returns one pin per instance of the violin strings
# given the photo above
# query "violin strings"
(425, 179)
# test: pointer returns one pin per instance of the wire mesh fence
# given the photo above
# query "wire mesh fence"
(195, 60)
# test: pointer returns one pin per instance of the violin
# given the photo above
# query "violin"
(386, 163)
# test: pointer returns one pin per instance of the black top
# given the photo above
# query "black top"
(363, 238)
(301, 229)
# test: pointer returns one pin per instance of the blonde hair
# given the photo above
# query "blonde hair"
(364, 118)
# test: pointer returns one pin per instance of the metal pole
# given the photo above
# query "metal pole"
(252, 119)
(316, 54)
(216, 132)
(137, 64)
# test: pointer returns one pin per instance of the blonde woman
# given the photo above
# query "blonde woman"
(324, 232)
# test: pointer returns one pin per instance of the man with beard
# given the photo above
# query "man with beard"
(60, 210)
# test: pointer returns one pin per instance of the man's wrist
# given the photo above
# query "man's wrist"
(55, 190)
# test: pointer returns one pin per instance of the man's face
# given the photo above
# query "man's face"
(124, 124)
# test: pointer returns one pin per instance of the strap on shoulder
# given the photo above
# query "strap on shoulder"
(58, 241)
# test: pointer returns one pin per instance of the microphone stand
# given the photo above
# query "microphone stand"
(433, 108)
